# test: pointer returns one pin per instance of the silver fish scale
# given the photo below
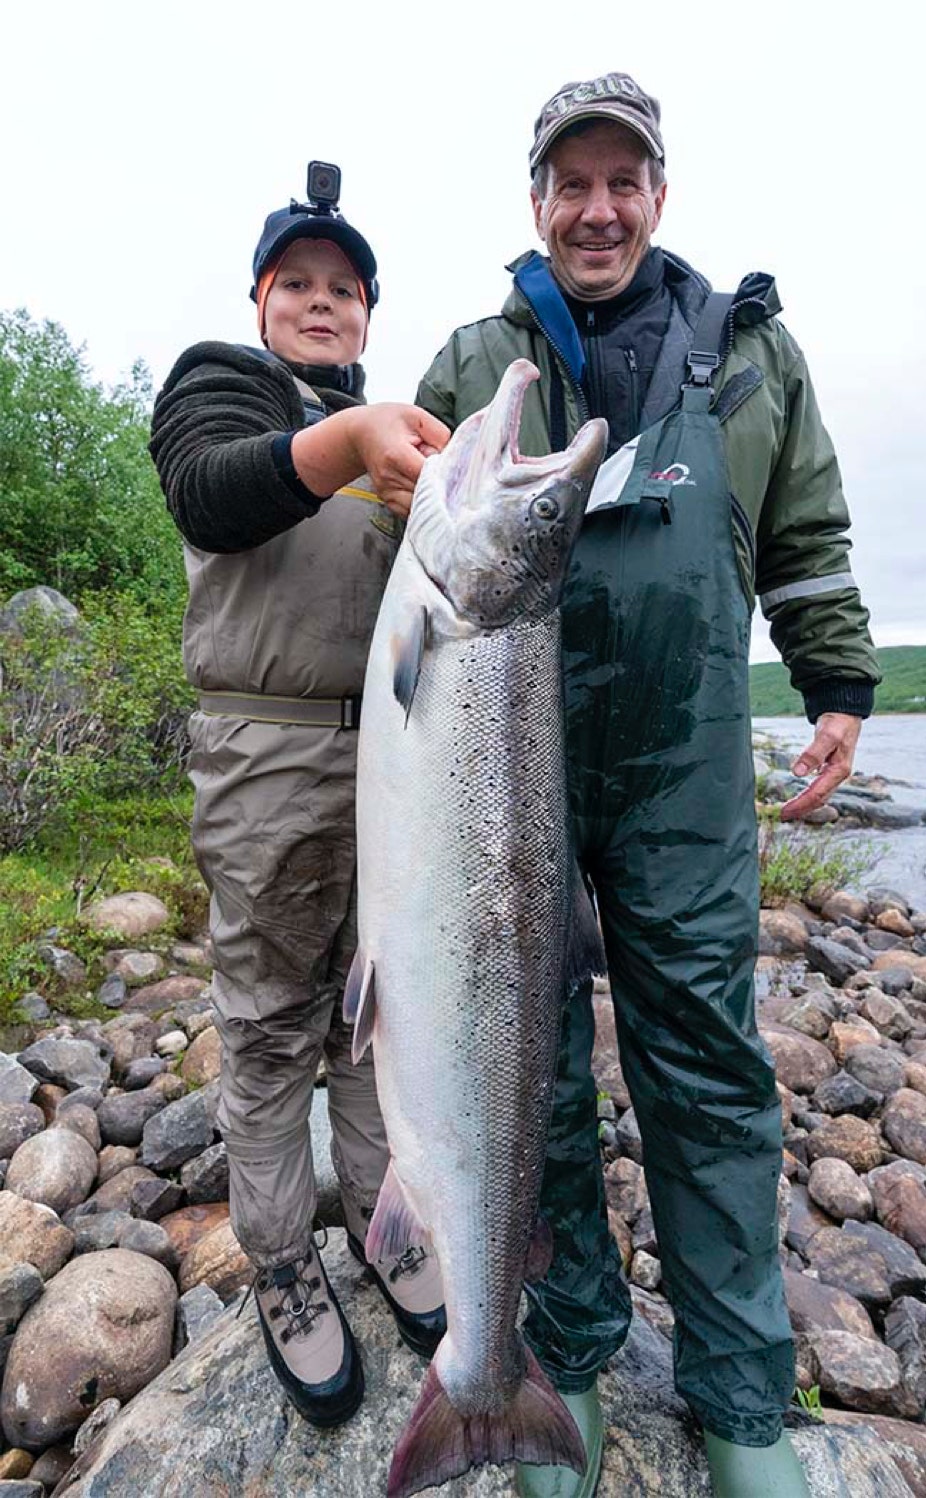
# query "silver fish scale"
(465, 1061)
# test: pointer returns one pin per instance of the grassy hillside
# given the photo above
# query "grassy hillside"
(903, 689)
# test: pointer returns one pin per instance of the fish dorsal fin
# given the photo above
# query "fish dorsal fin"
(408, 647)
(585, 952)
(395, 1225)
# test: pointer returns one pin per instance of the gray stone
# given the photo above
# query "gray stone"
(148, 1238)
(134, 968)
(843, 1093)
(882, 941)
(834, 959)
(130, 1036)
(17, 1084)
(83, 1097)
(20, 1285)
(217, 1410)
(645, 1270)
(197, 1311)
(629, 1137)
(69, 1063)
(205, 1178)
(139, 1073)
(18, 1122)
(899, 1194)
(131, 915)
(112, 992)
(808, 1015)
(174, 1043)
(153, 1199)
(122, 1118)
(56, 1168)
(814, 1306)
(904, 1124)
(34, 1007)
(42, 600)
(876, 1067)
(846, 936)
(51, 1466)
(63, 964)
(182, 1130)
(882, 898)
(875, 1269)
(117, 1192)
(95, 1424)
(905, 1334)
(895, 980)
(97, 1231)
(805, 1220)
(21, 1487)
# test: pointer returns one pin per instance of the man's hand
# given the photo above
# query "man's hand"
(829, 758)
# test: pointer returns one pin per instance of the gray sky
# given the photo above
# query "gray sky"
(144, 144)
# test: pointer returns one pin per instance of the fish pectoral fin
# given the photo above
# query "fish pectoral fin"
(361, 995)
(407, 651)
(353, 987)
(539, 1252)
(585, 953)
(396, 1225)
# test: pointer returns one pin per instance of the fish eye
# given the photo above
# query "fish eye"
(545, 508)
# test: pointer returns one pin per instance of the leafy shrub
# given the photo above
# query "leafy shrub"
(92, 712)
(794, 860)
(81, 504)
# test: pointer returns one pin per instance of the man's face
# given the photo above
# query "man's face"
(599, 210)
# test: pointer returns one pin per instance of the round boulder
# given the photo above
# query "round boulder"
(134, 914)
(847, 1138)
(57, 1168)
(102, 1330)
(32, 1234)
(18, 1122)
(835, 1187)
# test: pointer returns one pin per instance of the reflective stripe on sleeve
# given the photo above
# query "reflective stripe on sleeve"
(811, 587)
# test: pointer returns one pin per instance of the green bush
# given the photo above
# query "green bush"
(88, 713)
(794, 860)
(81, 504)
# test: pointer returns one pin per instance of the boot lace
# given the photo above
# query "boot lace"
(299, 1287)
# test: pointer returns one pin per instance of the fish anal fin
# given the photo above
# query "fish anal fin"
(585, 953)
(408, 649)
(365, 1011)
(395, 1225)
(438, 1443)
(539, 1252)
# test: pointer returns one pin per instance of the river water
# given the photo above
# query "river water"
(892, 745)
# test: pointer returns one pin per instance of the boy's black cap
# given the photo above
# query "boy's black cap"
(298, 221)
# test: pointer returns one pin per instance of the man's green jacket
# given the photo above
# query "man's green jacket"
(782, 467)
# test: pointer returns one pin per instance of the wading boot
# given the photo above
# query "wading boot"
(563, 1482)
(755, 1471)
(309, 1343)
(410, 1284)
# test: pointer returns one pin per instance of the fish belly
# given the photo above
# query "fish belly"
(463, 862)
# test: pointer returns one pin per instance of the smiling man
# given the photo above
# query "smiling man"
(721, 484)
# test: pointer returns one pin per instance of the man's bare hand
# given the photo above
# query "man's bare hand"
(828, 758)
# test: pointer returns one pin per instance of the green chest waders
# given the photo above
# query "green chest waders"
(656, 646)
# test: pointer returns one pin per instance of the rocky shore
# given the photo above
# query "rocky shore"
(126, 1370)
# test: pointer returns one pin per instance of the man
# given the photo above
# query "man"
(721, 482)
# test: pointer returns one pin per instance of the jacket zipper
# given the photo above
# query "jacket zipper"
(634, 387)
(577, 390)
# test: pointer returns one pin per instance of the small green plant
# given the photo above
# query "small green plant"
(793, 861)
(810, 1402)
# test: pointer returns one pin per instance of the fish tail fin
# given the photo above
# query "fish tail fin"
(439, 1443)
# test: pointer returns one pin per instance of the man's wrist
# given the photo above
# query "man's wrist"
(839, 695)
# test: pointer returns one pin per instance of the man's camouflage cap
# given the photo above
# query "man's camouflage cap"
(615, 97)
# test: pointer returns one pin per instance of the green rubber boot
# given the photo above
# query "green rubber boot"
(755, 1471)
(562, 1482)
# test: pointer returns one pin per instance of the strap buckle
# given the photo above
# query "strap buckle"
(701, 366)
(350, 712)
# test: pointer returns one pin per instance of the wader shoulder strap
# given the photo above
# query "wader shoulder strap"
(311, 403)
(704, 355)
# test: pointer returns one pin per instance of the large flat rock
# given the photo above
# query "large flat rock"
(214, 1422)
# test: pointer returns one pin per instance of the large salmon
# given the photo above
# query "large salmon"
(472, 918)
